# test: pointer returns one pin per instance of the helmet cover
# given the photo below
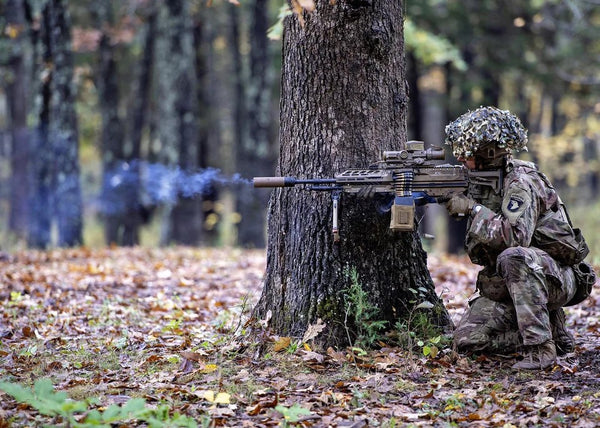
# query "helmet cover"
(477, 128)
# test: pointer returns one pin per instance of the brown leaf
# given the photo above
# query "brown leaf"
(474, 417)
(313, 330)
(282, 344)
(312, 356)
(192, 356)
(337, 356)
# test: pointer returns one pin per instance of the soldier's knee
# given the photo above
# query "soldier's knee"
(514, 259)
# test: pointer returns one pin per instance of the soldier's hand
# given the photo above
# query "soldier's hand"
(460, 205)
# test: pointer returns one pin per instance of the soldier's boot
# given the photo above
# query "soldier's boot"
(564, 340)
(537, 357)
(506, 342)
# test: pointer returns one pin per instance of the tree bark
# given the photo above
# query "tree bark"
(41, 179)
(64, 131)
(207, 128)
(343, 102)
(177, 126)
(137, 120)
(17, 97)
(115, 199)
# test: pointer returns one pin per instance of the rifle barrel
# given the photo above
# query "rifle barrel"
(289, 181)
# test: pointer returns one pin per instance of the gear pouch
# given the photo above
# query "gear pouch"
(562, 242)
(585, 278)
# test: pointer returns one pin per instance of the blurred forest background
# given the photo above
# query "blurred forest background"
(141, 121)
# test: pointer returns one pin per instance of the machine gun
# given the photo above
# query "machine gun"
(413, 176)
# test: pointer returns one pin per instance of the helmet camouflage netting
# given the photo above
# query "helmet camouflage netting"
(476, 128)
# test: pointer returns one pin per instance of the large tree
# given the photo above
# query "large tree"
(343, 101)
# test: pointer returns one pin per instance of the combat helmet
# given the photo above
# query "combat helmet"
(488, 133)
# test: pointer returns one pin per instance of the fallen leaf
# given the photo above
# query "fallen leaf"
(313, 331)
(218, 398)
(282, 344)
(312, 356)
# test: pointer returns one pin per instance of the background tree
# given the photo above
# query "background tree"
(343, 101)
(112, 145)
(536, 58)
(177, 120)
(17, 96)
(56, 192)
(256, 151)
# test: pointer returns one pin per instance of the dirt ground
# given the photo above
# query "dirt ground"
(170, 326)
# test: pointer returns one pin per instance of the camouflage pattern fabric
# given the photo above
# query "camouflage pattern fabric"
(515, 308)
(484, 125)
(488, 326)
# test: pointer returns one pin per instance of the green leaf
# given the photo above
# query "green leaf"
(430, 48)
(112, 413)
(43, 388)
(94, 417)
(425, 305)
(134, 406)
(292, 414)
(276, 31)
(16, 391)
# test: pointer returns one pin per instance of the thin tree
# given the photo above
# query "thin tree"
(177, 126)
(17, 100)
(54, 173)
(256, 152)
(343, 101)
(115, 197)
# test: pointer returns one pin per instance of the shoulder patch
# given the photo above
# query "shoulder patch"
(515, 203)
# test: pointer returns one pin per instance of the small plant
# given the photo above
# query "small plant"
(80, 414)
(418, 330)
(361, 313)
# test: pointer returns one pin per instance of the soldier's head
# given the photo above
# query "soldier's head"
(486, 136)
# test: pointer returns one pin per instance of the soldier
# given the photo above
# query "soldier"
(532, 257)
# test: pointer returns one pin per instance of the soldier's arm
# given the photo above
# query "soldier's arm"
(513, 226)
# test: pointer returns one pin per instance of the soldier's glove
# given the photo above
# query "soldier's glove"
(460, 205)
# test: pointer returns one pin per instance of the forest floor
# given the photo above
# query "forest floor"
(163, 332)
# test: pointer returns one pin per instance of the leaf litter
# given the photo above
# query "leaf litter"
(174, 326)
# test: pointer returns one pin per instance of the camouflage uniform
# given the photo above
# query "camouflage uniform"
(520, 283)
(525, 242)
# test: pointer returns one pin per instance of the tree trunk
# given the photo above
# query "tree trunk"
(177, 126)
(42, 158)
(17, 97)
(343, 102)
(115, 200)
(64, 132)
(140, 211)
(255, 153)
(203, 40)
